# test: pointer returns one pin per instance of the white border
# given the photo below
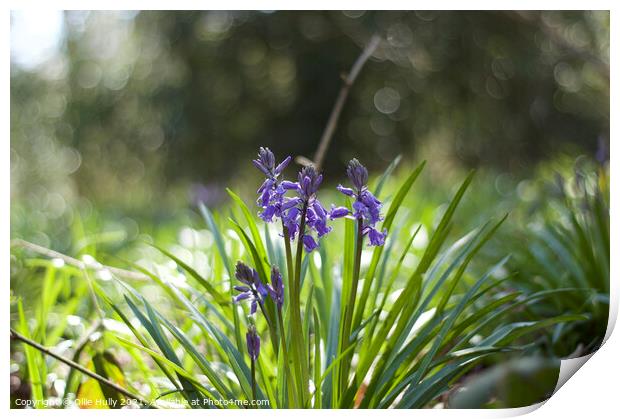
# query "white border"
(594, 389)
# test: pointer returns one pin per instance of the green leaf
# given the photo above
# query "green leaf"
(33, 360)
(386, 174)
(256, 238)
(217, 236)
(387, 224)
(219, 298)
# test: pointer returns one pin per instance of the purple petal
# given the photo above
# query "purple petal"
(376, 238)
(242, 296)
(290, 203)
(359, 209)
(306, 184)
(317, 182)
(282, 165)
(288, 185)
(264, 198)
(338, 212)
(309, 243)
(369, 199)
(262, 168)
(268, 213)
(322, 228)
(346, 191)
(262, 291)
(318, 208)
(310, 215)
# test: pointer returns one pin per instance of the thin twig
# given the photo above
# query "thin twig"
(332, 122)
(123, 273)
(75, 365)
(79, 347)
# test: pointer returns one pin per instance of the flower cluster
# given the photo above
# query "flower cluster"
(305, 205)
(366, 207)
(254, 290)
(290, 210)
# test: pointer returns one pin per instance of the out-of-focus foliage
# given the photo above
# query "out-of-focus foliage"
(136, 110)
(567, 240)
(518, 383)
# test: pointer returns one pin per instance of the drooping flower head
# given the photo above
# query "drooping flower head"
(366, 207)
(276, 288)
(254, 290)
(252, 341)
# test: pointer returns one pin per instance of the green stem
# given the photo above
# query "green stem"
(290, 384)
(253, 367)
(273, 330)
(300, 247)
(293, 302)
(350, 308)
(301, 361)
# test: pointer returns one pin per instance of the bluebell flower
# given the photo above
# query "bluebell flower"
(376, 238)
(316, 215)
(338, 212)
(366, 206)
(290, 219)
(275, 204)
(254, 290)
(276, 288)
(252, 341)
(309, 243)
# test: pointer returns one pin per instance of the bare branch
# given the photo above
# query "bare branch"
(123, 273)
(348, 81)
(79, 347)
(75, 365)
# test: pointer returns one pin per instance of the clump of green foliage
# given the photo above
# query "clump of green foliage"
(418, 321)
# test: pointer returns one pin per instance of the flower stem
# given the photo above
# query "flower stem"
(290, 384)
(289, 260)
(253, 367)
(293, 301)
(273, 330)
(350, 308)
(300, 358)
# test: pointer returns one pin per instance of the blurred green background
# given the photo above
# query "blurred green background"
(137, 115)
